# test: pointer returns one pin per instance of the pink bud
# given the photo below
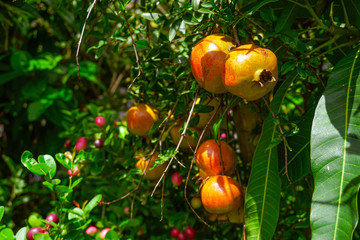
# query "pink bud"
(223, 135)
(104, 232)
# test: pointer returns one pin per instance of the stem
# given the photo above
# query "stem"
(315, 16)
(284, 140)
(180, 141)
(347, 23)
(81, 36)
(325, 44)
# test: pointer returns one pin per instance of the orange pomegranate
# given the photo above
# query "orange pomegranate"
(154, 173)
(175, 133)
(207, 61)
(205, 117)
(220, 194)
(209, 162)
(250, 71)
(140, 119)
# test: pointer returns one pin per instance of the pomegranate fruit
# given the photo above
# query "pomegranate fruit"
(207, 61)
(140, 119)
(250, 71)
(220, 194)
(205, 117)
(195, 202)
(154, 173)
(188, 140)
(209, 161)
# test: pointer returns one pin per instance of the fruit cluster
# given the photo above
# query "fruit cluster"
(220, 193)
(247, 71)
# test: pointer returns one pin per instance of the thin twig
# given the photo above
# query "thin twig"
(315, 74)
(81, 36)
(162, 199)
(283, 138)
(180, 141)
(347, 23)
(192, 163)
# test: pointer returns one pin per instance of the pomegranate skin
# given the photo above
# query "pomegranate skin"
(220, 194)
(250, 71)
(209, 162)
(140, 119)
(207, 61)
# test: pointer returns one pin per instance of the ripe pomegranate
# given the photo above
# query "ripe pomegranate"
(220, 194)
(209, 162)
(32, 231)
(207, 61)
(205, 117)
(52, 217)
(176, 179)
(188, 140)
(140, 119)
(152, 174)
(250, 71)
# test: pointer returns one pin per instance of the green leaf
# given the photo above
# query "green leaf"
(6, 234)
(2, 211)
(76, 213)
(335, 150)
(41, 236)
(286, 18)
(262, 198)
(5, 77)
(30, 163)
(111, 235)
(151, 16)
(195, 4)
(234, 101)
(21, 234)
(63, 160)
(47, 163)
(174, 28)
(93, 203)
(299, 158)
(75, 183)
(36, 109)
(256, 7)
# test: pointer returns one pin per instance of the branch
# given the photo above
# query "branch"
(180, 141)
(81, 36)
(284, 140)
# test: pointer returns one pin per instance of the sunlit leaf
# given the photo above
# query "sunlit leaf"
(335, 151)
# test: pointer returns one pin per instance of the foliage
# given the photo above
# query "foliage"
(138, 52)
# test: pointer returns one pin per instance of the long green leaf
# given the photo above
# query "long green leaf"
(335, 153)
(263, 193)
(299, 157)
